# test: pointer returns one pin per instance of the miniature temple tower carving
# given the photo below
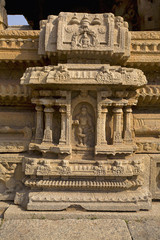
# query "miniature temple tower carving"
(84, 137)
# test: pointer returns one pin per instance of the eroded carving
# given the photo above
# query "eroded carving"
(74, 32)
(84, 130)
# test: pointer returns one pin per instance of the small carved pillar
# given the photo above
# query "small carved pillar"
(39, 124)
(63, 125)
(110, 26)
(117, 125)
(68, 124)
(103, 125)
(99, 125)
(48, 124)
(3, 16)
(127, 120)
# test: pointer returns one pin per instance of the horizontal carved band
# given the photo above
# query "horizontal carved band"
(150, 95)
(14, 93)
(82, 184)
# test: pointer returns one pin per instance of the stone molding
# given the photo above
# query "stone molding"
(96, 74)
(116, 168)
(150, 95)
(103, 185)
(14, 94)
(143, 45)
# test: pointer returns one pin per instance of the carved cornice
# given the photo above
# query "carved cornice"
(19, 45)
(149, 96)
(14, 94)
(22, 45)
(19, 34)
(145, 49)
(79, 73)
(145, 35)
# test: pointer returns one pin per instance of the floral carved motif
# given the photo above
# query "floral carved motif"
(61, 74)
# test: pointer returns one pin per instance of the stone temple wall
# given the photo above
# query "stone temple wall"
(79, 115)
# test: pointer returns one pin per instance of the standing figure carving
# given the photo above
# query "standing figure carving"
(84, 130)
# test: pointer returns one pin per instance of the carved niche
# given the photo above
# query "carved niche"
(87, 108)
(84, 125)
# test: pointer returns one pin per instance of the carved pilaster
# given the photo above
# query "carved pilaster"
(99, 125)
(48, 124)
(39, 124)
(117, 126)
(128, 119)
(68, 131)
(63, 125)
(103, 125)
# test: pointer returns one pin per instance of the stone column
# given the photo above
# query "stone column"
(127, 120)
(117, 125)
(63, 125)
(48, 124)
(39, 124)
(103, 125)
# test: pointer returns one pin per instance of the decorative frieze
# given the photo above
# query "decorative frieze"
(62, 184)
(79, 74)
(115, 168)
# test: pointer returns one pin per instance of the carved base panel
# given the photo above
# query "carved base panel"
(119, 149)
(90, 201)
(50, 148)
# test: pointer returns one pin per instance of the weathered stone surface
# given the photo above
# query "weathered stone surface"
(3, 15)
(84, 127)
(64, 229)
(16, 212)
(73, 33)
(97, 74)
(144, 230)
(88, 123)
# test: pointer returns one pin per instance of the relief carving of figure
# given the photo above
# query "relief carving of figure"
(84, 130)
(84, 41)
(85, 38)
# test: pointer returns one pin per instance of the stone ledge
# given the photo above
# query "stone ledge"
(15, 212)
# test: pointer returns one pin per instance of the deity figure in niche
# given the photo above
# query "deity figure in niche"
(85, 41)
(84, 130)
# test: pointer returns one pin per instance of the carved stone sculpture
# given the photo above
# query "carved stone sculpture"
(95, 150)
(82, 137)
(3, 15)
(84, 131)
(74, 33)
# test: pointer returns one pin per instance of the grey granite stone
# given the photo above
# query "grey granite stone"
(16, 212)
(34, 229)
(145, 230)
